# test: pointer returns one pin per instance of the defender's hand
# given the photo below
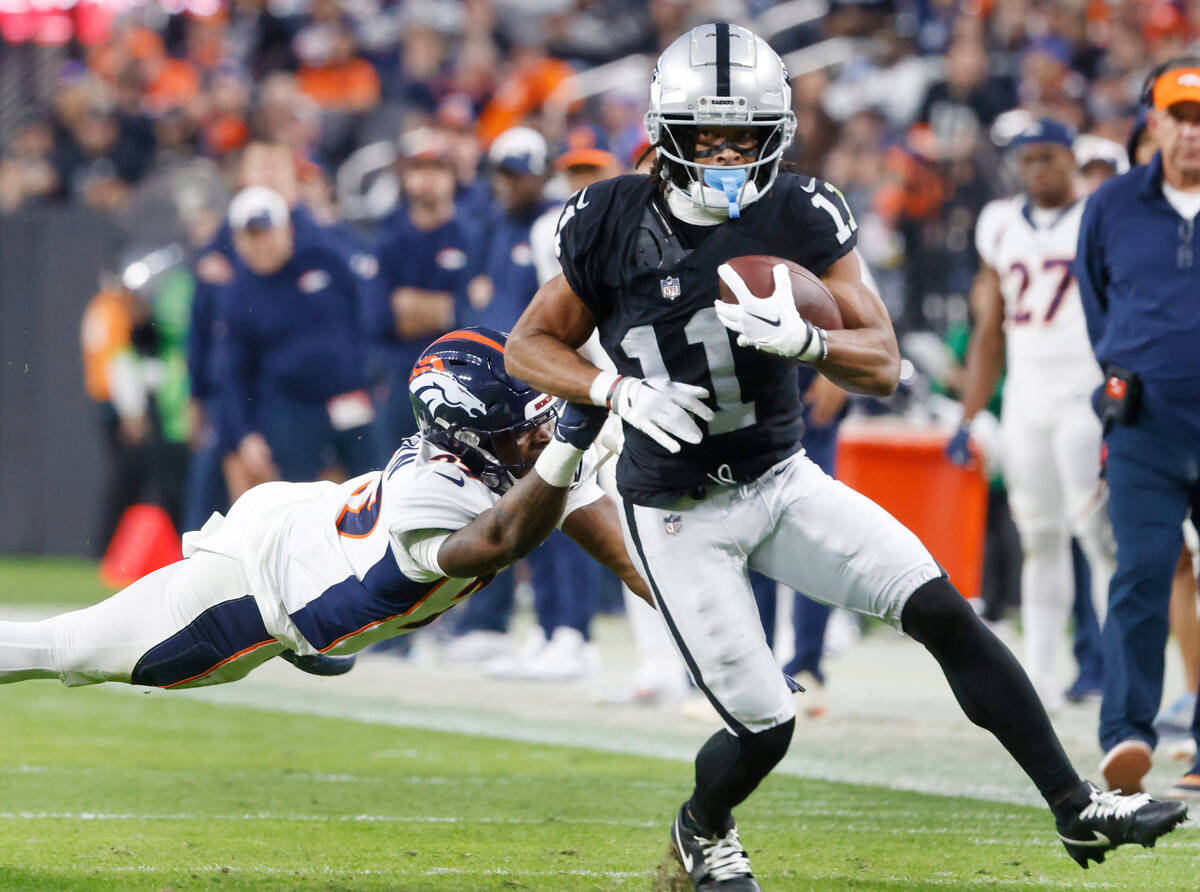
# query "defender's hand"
(579, 425)
(958, 450)
(769, 324)
(661, 411)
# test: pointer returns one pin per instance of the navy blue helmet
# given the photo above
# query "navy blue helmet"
(468, 405)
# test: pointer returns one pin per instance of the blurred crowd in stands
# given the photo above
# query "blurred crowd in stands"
(903, 103)
(403, 151)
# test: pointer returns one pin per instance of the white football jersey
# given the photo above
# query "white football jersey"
(328, 562)
(1048, 351)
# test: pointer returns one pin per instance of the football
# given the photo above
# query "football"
(813, 300)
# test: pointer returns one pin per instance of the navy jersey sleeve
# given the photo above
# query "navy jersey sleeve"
(1090, 270)
(825, 226)
(583, 244)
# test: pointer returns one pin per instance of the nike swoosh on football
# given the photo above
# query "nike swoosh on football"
(580, 204)
(1100, 840)
(684, 857)
(774, 322)
(458, 481)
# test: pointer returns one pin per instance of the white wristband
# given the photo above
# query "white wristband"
(816, 348)
(557, 463)
(601, 388)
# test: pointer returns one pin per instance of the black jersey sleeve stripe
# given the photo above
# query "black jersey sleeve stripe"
(722, 59)
(738, 728)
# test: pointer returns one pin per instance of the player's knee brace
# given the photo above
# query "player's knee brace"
(941, 619)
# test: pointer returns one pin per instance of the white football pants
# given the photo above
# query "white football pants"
(188, 624)
(1052, 472)
(793, 524)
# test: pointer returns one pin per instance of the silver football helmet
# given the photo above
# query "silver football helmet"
(719, 75)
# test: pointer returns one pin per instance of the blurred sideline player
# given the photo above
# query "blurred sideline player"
(1098, 159)
(324, 567)
(702, 506)
(1031, 315)
(564, 589)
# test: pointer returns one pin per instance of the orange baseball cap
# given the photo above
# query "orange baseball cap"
(587, 157)
(1177, 85)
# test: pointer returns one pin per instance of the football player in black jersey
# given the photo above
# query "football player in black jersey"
(712, 476)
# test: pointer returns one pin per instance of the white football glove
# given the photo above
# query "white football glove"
(661, 411)
(769, 324)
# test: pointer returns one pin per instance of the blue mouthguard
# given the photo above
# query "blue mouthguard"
(730, 182)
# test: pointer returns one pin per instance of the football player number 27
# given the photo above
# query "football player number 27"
(703, 328)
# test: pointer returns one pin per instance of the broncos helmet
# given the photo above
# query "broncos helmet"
(467, 404)
(719, 75)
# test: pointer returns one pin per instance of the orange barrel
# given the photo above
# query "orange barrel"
(904, 469)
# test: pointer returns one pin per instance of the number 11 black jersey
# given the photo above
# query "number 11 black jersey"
(622, 252)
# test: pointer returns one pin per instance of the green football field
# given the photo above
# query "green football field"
(101, 789)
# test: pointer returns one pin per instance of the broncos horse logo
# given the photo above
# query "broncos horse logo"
(437, 388)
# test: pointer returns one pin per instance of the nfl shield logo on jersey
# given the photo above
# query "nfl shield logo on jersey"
(670, 288)
(673, 523)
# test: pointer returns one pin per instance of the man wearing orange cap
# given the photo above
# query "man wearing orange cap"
(1138, 277)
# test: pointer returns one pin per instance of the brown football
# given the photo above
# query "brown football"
(813, 300)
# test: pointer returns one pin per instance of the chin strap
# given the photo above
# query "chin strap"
(720, 197)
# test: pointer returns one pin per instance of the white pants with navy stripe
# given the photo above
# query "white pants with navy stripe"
(188, 624)
(796, 525)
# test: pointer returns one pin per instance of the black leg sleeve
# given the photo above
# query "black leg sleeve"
(728, 768)
(990, 685)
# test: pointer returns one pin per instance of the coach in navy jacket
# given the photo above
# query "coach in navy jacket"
(1138, 266)
(424, 250)
(296, 353)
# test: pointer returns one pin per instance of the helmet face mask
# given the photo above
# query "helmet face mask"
(719, 75)
(466, 404)
(503, 462)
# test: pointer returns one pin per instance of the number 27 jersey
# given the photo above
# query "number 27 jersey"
(1049, 356)
(652, 296)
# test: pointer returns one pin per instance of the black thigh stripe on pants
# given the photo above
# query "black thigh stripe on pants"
(740, 729)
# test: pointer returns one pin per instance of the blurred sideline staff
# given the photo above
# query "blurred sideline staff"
(297, 398)
(132, 336)
(1138, 277)
(423, 249)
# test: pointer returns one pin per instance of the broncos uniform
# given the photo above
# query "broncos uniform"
(1050, 433)
(314, 567)
(745, 496)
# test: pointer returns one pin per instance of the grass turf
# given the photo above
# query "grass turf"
(61, 582)
(104, 790)
(101, 789)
